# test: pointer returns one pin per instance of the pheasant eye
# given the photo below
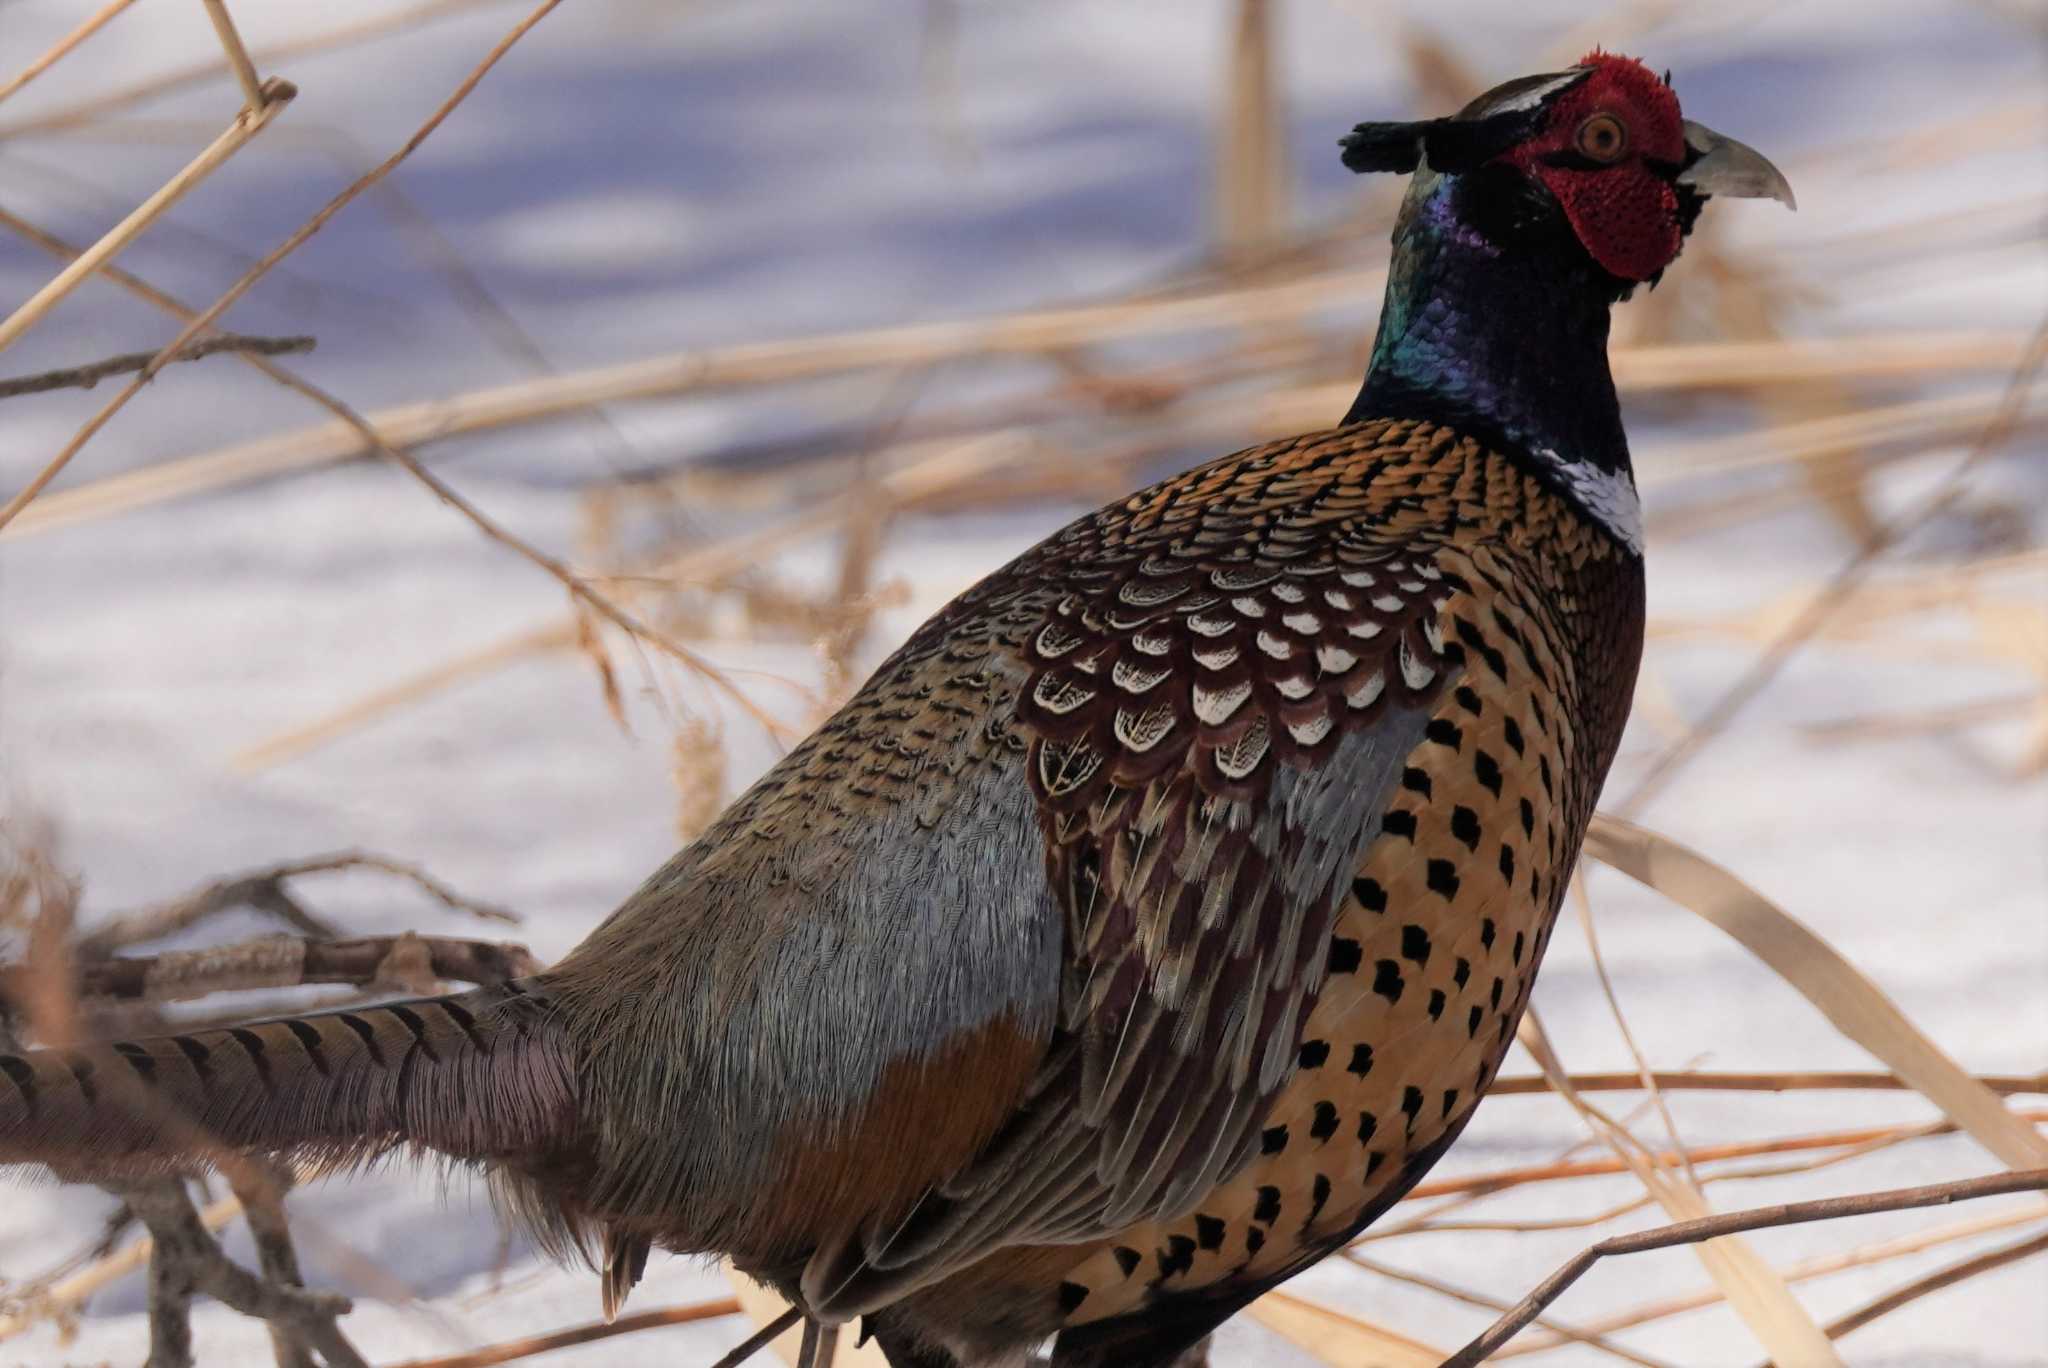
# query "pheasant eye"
(1602, 137)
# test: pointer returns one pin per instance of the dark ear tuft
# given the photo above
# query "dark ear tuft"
(1395, 147)
(1452, 145)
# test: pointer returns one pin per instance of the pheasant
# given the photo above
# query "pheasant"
(1158, 914)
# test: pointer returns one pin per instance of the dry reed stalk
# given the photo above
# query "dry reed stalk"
(1340, 1340)
(1753, 1289)
(927, 472)
(247, 124)
(1297, 409)
(253, 93)
(1734, 1223)
(62, 48)
(1806, 1269)
(1644, 1073)
(1748, 308)
(288, 745)
(1251, 160)
(1920, 421)
(1920, 721)
(753, 363)
(1801, 1081)
(290, 244)
(1500, 1180)
(88, 111)
(580, 592)
(1998, 428)
(1881, 1139)
(1856, 1006)
(510, 1351)
(1565, 1334)
(136, 286)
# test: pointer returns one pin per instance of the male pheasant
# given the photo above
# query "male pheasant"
(1159, 913)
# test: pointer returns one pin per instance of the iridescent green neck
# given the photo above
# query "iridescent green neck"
(1508, 343)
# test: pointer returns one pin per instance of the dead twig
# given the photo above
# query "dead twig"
(187, 1260)
(85, 377)
(408, 961)
(1805, 1269)
(246, 125)
(264, 890)
(1564, 1332)
(279, 92)
(759, 1340)
(1935, 1281)
(510, 1350)
(1502, 1179)
(1688, 1081)
(263, 1206)
(1736, 1223)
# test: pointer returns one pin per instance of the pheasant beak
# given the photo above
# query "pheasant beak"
(1724, 166)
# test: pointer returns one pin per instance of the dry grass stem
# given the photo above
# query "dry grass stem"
(247, 124)
(758, 363)
(1340, 1340)
(2001, 424)
(1754, 1290)
(932, 469)
(1861, 1257)
(1502, 1179)
(288, 745)
(1736, 1223)
(1800, 1081)
(62, 48)
(1251, 181)
(1855, 1005)
(253, 93)
(85, 377)
(97, 108)
(1315, 406)
(1644, 1073)
(141, 289)
(1564, 1333)
(261, 268)
(1936, 1281)
(513, 1350)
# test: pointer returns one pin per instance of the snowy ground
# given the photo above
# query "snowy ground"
(643, 176)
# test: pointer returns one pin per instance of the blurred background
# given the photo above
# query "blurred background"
(777, 324)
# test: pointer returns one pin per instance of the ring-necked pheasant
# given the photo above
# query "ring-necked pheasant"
(1158, 913)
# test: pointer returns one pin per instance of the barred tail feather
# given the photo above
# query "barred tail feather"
(479, 1076)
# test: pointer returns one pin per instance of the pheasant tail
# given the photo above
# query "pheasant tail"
(478, 1076)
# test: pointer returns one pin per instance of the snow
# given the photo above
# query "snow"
(639, 177)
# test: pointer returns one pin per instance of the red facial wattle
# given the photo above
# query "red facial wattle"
(1625, 213)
